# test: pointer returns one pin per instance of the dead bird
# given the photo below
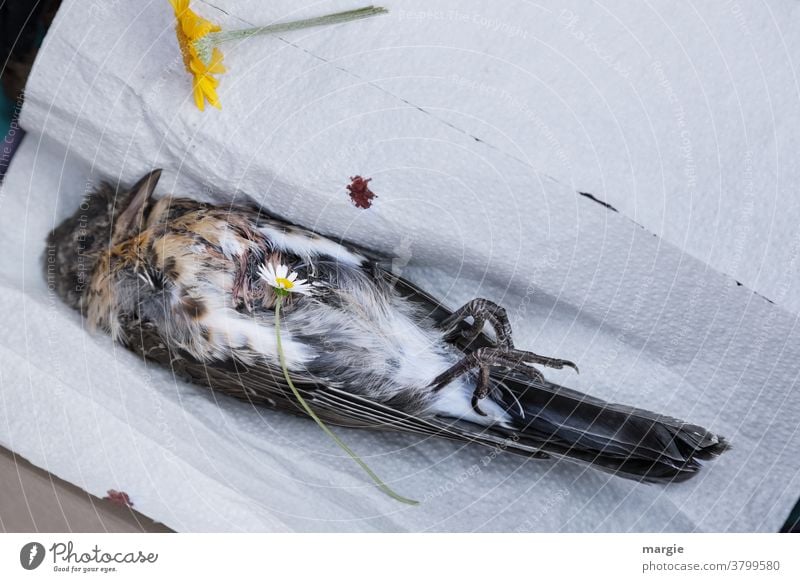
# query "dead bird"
(178, 281)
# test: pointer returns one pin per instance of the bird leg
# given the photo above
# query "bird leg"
(481, 311)
(486, 357)
(503, 355)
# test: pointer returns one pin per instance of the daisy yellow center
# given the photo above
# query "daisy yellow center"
(284, 283)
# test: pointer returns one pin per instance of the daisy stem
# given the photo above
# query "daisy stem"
(381, 485)
(216, 38)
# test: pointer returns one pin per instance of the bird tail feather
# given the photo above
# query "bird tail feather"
(627, 441)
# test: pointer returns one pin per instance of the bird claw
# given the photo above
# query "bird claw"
(475, 407)
(561, 364)
(502, 355)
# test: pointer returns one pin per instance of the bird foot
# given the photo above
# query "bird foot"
(502, 355)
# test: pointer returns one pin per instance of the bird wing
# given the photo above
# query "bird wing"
(549, 420)
(264, 384)
(545, 419)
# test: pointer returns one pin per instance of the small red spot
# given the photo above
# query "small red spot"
(119, 498)
(360, 193)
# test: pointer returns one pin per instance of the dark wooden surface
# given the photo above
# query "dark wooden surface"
(33, 500)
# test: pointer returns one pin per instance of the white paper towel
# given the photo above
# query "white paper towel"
(648, 324)
(682, 116)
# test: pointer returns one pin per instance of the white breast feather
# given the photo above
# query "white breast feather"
(231, 331)
(231, 244)
(306, 247)
(391, 335)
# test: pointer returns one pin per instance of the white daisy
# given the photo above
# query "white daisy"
(284, 282)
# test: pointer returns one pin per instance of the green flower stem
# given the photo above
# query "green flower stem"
(381, 485)
(205, 45)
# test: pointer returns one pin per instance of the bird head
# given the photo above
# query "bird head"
(105, 217)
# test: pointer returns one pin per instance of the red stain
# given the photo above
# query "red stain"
(360, 193)
(119, 498)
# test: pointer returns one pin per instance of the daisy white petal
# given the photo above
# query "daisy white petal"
(267, 273)
(301, 288)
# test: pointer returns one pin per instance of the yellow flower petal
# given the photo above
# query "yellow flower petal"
(199, 99)
(216, 65)
(179, 5)
(208, 88)
(189, 28)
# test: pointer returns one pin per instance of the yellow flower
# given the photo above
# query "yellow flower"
(198, 39)
(189, 28)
